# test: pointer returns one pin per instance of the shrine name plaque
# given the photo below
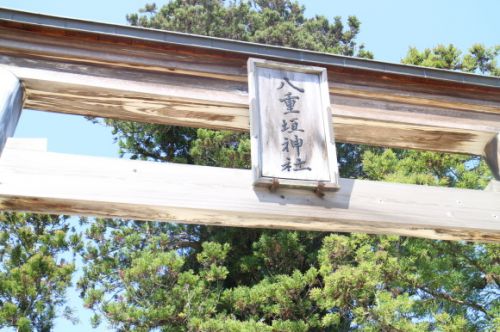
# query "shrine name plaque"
(291, 128)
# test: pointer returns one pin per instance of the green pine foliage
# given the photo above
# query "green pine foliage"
(479, 58)
(149, 276)
(426, 168)
(33, 274)
(278, 22)
(173, 277)
(140, 276)
(430, 168)
(274, 22)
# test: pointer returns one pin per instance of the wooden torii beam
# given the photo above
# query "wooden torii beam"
(127, 73)
(33, 179)
(104, 70)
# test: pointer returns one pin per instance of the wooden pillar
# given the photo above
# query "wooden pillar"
(492, 153)
(493, 186)
(11, 104)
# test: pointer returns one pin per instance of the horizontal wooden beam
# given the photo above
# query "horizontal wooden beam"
(128, 35)
(134, 74)
(11, 104)
(220, 104)
(45, 182)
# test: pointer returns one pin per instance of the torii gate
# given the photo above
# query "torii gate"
(103, 70)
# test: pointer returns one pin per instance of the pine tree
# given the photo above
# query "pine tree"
(146, 275)
(34, 274)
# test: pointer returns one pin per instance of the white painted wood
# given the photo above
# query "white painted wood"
(59, 183)
(30, 144)
(11, 104)
(291, 125)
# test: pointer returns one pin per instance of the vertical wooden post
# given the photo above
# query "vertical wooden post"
(11, 104)
(493, 186)
(492, 153)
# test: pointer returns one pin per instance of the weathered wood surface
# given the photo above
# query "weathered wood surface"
(47, 182)
(291, 130)
(492, 152)
(218, 104)
(11, 104)
(143, 80)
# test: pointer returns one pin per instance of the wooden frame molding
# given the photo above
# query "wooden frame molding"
(315, 118)
(32, 179)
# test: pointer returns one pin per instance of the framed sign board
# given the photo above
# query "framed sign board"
(291, 126)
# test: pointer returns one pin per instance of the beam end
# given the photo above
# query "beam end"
(492, 153)
(11, 104)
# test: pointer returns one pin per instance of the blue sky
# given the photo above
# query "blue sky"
(388, 28)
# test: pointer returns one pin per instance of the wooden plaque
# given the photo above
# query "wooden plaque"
(290, 125)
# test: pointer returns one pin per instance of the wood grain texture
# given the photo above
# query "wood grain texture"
(292, 136)
(64, 184)
(218, 104)
(11, 104)
(429, 138)
(85, 48)
(147, 81)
